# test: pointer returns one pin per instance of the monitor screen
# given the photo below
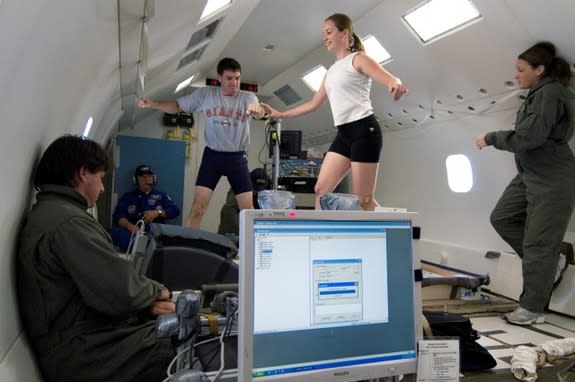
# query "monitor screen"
(327, 296)
(290, 143)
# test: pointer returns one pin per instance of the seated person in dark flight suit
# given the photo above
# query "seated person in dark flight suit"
(87, 314)
(230, 212)
(143, 203)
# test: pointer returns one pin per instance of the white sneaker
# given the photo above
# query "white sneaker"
(521, 316)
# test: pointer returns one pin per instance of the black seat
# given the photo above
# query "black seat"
(185, 258)
(180, 268)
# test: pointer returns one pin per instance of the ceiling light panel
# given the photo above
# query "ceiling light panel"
(434, 19)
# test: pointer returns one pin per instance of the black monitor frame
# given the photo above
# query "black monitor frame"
(290, 143)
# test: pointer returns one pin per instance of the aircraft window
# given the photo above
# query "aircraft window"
(434, 19)
(459, 173)
(375, 50)
(314, 77)
(88, 127)
(213, 6)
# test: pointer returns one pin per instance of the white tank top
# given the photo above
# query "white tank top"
(347, 91)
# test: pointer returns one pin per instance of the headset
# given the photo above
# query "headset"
(135, 177)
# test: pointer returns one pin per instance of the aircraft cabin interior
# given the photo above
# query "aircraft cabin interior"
(83, 67)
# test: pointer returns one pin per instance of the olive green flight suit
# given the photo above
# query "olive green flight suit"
(534, 211)
(83, 306)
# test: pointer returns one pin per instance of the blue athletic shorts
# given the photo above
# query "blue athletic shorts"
(360, 141)
(233, 165)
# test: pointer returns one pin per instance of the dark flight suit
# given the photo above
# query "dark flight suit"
(229, 215)
(230, 212)
(83, 306)
(533, 213)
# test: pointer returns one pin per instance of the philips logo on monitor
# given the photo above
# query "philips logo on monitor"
(341, 373)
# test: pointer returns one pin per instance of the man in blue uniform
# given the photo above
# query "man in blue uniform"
(143, 203)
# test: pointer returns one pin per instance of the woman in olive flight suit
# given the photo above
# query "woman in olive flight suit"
(533, 213)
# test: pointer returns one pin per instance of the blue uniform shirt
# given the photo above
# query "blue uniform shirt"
(134, 203)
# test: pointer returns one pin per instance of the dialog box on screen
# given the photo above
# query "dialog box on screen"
(337, 291)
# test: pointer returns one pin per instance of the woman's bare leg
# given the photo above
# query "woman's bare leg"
(333, 169)
(364, 178)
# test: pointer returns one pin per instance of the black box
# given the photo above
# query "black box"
(298, 183)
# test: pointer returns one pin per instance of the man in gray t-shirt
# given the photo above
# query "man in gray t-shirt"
(226, 110)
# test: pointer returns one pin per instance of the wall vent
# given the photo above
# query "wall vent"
(192, 57)
(203, 34)
(287, 95)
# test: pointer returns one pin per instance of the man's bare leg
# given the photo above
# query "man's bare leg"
(202, 196)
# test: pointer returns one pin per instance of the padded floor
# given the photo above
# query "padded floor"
(501, 338)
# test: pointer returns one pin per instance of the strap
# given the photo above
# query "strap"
(426, 327)
(212, 322)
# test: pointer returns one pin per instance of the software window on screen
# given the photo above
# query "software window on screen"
(319, 274)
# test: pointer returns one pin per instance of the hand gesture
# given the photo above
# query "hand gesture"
(480, 141)
(149, 216)
(162, 304)
(397, 89)
(144, 103)
(270, 112)
(256, 110)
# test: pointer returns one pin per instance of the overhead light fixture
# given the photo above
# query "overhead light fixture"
(185, 83)
(314, 77)
(375, 50)
(213, 6)
(88, 127)
(436, 18)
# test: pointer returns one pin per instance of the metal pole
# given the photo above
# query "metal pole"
(276, 174)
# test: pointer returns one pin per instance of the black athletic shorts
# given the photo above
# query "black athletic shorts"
(360, 141)
(233, 165)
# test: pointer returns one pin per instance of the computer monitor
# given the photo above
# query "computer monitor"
(327, 296)
(290, 143)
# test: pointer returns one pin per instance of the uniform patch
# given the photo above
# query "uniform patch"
(132, 208)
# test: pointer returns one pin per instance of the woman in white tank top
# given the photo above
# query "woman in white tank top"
(347, 85)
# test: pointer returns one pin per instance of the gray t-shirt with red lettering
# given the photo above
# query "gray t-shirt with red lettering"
(227, 125)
